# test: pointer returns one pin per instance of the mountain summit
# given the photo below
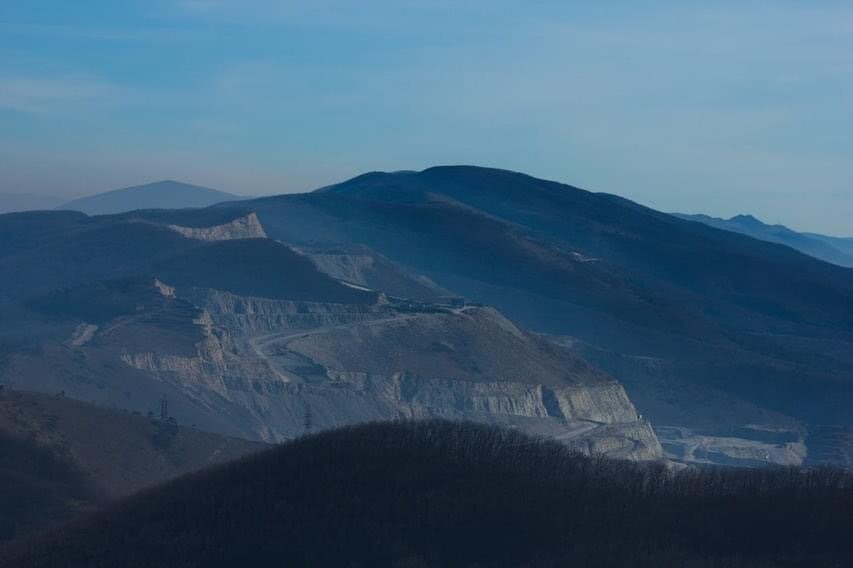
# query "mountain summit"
(166, 194)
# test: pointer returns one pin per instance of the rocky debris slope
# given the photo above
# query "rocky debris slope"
(272, 370)
(281, 368)
(362, 266)
(246, 336)
(765, 437)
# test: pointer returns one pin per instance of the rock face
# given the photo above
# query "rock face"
(279, 368)
(245, 336)
(247, 227)
(363, 266)
(765, 437)
(271, 370)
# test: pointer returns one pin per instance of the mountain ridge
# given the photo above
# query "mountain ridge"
(163, 194)
(436, 493)
(680, 313)
(760, 324)
(835, 250)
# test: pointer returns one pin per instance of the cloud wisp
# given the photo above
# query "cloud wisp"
(52, 95)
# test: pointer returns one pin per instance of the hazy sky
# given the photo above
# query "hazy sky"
(717, 107)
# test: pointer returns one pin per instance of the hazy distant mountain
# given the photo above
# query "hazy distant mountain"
(11, 202)
(844, 244)
(831, 249)
(167, 194)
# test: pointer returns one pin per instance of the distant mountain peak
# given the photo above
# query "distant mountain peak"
(162, 194)
(746, 218)
(164, 183)
(826, 248)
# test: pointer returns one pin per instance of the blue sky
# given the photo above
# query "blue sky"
(717, 107)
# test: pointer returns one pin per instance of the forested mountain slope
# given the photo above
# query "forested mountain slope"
(444, 494)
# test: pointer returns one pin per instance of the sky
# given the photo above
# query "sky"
(721, 107)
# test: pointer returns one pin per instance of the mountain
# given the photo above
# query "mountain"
(844, 244)
(13, 202)
(166, 194)
(738, 350)
(45, 251)
(445, 494)
(247, 336)
(831, 249)
(61, 457)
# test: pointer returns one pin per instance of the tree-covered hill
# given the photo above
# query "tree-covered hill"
(444, 494)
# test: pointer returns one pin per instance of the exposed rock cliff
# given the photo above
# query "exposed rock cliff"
(268, 364)
(247, 227)
(269, 369)
(766, 437)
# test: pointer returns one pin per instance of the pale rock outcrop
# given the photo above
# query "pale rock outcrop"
(245, 369)
(247, 227)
